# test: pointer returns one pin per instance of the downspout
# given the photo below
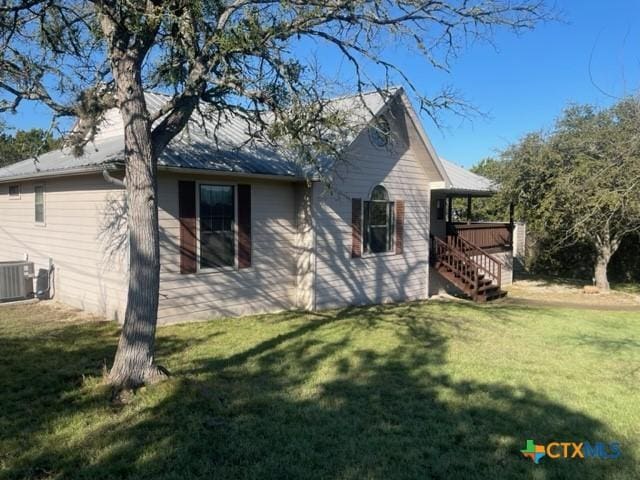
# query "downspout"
(113, 180)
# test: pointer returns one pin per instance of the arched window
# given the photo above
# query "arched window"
(378, 221)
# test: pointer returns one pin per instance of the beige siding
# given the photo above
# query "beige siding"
(341, 280)
(82, 234)
(519, 246)
(305, 245)
(268, 285)
(506, 258)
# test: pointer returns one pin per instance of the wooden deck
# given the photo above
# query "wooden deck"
(487, 236)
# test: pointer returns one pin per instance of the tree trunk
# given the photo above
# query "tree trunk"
(606, 245)
(600, 274)
(134, 363)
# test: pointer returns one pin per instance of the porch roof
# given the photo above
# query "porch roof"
(462, 182)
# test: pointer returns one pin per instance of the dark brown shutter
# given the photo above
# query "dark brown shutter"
(356, 228)
(187, 214)
(399, 226)
(244, 226)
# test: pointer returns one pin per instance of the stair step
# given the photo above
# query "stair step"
(494, 296)
(457, 274)
(488, 289)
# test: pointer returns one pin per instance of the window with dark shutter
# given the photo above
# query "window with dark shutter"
(244, 226)
(187, 216)
(399, 226)
(356, 228)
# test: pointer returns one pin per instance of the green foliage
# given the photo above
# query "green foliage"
(415, 391)
(577, 187)
(589, 171)
(240, 57)
(496, 207)
(25, 144)
(625, 264)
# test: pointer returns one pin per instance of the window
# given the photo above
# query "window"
(217, 219)
(38, 191)
(378, 222)
(380, 132)
(14, 192)
(440, 209)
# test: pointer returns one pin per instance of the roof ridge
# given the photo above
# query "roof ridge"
(392, 90)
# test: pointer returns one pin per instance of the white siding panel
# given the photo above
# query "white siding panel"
(82, 234)
(267, 286)
(342, 280)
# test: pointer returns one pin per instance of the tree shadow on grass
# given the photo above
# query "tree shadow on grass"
(360, 393)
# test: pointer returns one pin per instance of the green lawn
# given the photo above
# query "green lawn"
(424, 390)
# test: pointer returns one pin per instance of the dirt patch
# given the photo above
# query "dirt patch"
(50, 311)
(544, 292)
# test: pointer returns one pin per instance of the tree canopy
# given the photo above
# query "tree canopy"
(24, 144)
(577, 186)
(236, 55)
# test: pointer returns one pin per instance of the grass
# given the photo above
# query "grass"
(626, 287)
(423, 390)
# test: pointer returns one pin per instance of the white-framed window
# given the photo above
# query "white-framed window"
(39, 204)
(378, 222)
(216, 226)
(14, 192)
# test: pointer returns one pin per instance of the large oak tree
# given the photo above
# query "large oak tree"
(241, 57)
(579, 184)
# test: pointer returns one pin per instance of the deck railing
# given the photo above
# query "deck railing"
(487, 236)
(467, 262)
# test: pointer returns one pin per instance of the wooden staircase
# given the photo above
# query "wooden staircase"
(468, 267)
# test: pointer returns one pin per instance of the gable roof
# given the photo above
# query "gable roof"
(232, 153)
(463, 182)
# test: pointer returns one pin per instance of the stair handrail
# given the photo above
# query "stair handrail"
(481, 250)
(490, 265)
(458, 252)
(464, 266)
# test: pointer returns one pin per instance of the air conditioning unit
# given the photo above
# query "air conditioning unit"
(16, 280)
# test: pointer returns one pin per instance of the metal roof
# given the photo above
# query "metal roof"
(229, 151)
(463, 182)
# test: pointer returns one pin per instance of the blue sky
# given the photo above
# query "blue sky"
(526, 81)
(521, 83)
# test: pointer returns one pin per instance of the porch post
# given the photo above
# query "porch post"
(450, 201)
(468, 208)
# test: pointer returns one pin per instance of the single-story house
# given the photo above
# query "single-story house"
(245, 230)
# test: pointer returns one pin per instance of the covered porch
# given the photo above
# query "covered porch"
(488, 235)
(447, 221)
(452, 211)
(467, 251)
